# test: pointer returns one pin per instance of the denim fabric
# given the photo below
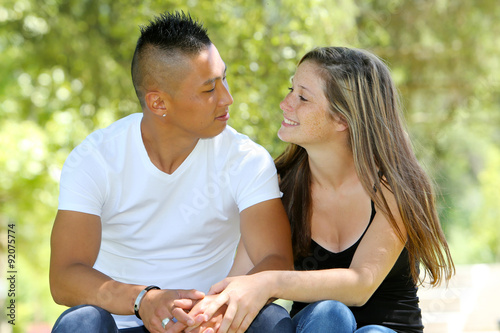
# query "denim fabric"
(272, 319)
(331, 316)
(374, 329)
(325, 316)
(87, 318)
(140, 329)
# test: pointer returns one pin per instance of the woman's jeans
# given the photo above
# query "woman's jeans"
(91, 319)
(331, 316)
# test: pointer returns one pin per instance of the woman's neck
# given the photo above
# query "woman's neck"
(332, 166)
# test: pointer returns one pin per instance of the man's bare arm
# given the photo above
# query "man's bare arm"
(75, 244)
(265, 233)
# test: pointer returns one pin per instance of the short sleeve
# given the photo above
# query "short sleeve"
(83, 181)
(253, 176)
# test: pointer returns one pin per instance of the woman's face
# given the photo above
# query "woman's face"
(305, 109)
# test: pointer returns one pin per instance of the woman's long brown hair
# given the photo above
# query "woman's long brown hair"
(360, 90)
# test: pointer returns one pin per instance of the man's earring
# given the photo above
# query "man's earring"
(164, 115)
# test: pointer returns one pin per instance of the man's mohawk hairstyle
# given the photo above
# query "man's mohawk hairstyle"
(175, 30)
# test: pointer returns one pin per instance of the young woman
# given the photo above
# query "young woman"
(362, 209)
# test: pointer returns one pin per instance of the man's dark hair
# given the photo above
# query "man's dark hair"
(168, 35)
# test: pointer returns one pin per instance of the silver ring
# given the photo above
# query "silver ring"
(164, 322)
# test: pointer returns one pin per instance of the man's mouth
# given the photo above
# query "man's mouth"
(224, 117)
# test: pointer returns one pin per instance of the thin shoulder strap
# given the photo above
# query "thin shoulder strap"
(371, 219)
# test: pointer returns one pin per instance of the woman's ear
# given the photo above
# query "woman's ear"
(156, 103)
(340, 123)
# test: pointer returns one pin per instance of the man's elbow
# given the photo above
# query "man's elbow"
(57, 300)
(56, 296)
(286, 256)
(282, 262)
(56, 290)
(286, 262)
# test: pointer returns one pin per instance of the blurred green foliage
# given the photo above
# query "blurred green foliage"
(64, 71)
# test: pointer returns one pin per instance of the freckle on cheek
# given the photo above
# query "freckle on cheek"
(316, 128)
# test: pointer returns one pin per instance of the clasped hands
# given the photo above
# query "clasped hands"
(229, 307)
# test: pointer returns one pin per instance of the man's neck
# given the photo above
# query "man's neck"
(166, 150)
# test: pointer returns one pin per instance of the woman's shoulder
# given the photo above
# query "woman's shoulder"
(388, 207)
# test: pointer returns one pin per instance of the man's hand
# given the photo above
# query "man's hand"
(159, 304)
(203, 323)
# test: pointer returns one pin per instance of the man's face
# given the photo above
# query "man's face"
(199, 105)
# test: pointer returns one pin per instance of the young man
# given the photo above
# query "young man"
(151, 208)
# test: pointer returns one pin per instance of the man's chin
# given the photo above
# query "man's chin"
(214, 133)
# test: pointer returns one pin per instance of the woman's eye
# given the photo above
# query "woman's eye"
(300, 96)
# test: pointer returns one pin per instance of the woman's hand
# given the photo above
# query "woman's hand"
(244, 297)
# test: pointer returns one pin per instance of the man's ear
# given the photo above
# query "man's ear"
(156, 103)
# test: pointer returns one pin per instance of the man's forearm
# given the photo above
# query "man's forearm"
(79, 284)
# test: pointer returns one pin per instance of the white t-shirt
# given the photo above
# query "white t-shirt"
(176, 231)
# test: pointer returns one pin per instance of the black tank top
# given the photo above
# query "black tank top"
(394, 304)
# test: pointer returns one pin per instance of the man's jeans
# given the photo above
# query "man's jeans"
(89, 319)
